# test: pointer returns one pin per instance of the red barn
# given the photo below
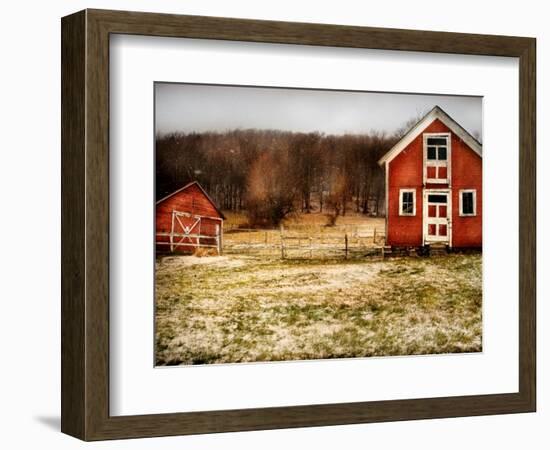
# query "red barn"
(434, 186)
(188, 219)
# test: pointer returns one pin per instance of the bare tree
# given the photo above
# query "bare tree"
(269, 174)
(271, 193)
(401, 131)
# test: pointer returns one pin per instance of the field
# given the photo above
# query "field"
(247, 307)
(307, 235)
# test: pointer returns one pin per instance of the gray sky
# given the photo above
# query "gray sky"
(192, 107)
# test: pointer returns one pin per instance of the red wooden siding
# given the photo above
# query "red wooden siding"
(467, 174)
(190, 200)
(405, 171)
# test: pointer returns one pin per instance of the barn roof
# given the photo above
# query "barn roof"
(187, 186)
(435, 113)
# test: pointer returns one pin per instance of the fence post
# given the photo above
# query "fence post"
(346, 242)
(218, 240)
(282, 242)
(374, 236)
(266, 238)
(220, 237)
(310, 247)
(172, 232)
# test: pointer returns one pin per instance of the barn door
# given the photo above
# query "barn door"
(437, 213)
(186, 230)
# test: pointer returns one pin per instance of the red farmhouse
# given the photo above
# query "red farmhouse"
(434, 186)
(188, 219)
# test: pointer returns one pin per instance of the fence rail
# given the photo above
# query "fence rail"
(189, 240)
(306, 242)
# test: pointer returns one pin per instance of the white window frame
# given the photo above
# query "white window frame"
(401, 192)
(437, 163)
(474, 195)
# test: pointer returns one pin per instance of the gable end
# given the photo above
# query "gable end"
(187, 186)
(435, 114)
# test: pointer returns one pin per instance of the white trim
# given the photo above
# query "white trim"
(436, 163)
(435, 113)
(465, 191)
(401, 192)
(387, 200)
(449, 219)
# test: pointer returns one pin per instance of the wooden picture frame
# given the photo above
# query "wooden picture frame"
(85, 224)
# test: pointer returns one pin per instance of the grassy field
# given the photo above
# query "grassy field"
(244, 308)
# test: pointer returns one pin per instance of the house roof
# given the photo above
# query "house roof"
(187, 186)
(435, 113)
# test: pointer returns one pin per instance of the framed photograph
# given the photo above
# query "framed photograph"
(273, 225)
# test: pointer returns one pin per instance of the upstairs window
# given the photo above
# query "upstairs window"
(437, 152)
(407, 202)
(467, 200)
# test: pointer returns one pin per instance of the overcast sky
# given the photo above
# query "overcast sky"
(192, 107)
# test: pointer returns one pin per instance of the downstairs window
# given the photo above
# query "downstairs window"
(407, 202)
(467, 198)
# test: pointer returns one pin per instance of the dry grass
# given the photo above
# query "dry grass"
(243, 309)
(234, 219)
(314, 220)
(267, 242)
(322, 219)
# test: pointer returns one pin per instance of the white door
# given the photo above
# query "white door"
(437, 213)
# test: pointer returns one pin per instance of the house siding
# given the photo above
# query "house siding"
(405, 171)
(467, 174)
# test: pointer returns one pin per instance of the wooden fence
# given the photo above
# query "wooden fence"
(190, 241)
(295, 242)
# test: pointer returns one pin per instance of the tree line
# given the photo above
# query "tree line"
(270, 174)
